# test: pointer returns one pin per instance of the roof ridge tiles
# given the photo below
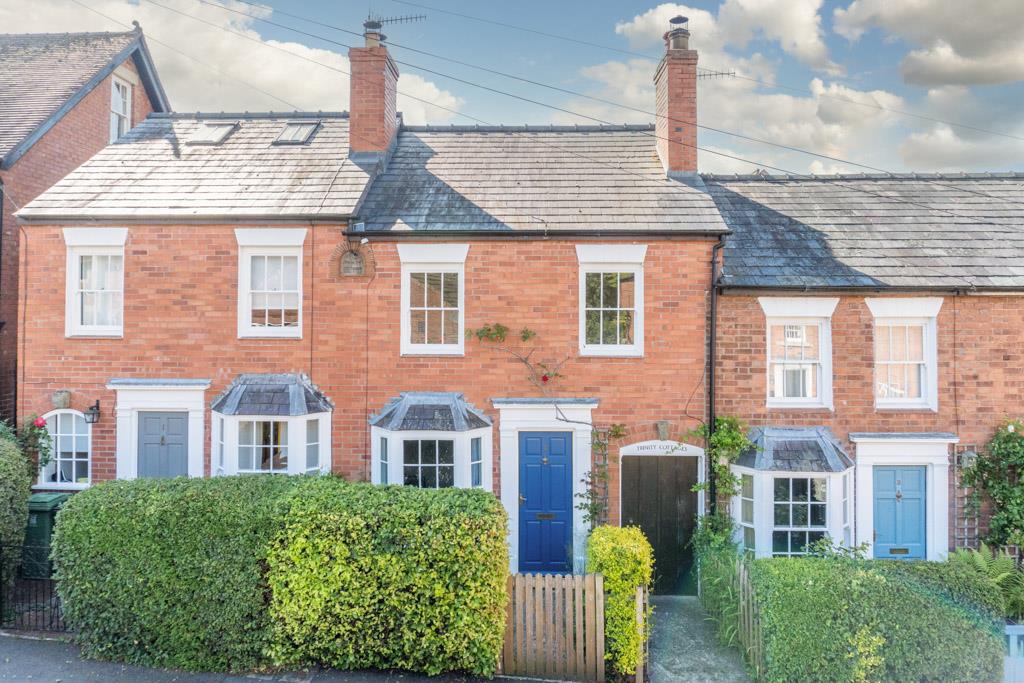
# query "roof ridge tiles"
(248, 115)
(527, 128)
(960, 175)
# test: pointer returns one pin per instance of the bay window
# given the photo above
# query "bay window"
(431, 440)
(906, 364)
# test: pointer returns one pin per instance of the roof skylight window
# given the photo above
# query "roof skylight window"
(212, 132)
(296, 132)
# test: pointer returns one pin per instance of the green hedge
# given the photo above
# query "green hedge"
(625, 558)
(716, 555)
(389, 577)
(171, 572)
(957, 583)
(15, 488)
(835, 620)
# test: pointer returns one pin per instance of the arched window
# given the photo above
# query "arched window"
(71, 449)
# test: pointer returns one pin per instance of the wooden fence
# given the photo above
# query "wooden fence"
(555, 627)
(1013, 664)
(749, 629)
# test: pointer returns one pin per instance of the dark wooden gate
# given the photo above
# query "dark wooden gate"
(657, 497)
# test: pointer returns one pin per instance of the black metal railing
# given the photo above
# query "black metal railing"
(28, 592)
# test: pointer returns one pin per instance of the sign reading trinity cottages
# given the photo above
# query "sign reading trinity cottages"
(656, 447)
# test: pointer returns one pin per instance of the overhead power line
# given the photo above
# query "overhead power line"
(768, 84)
(885, 254)
(563, 90)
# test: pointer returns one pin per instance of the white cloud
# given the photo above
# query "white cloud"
(794, 24)
(959, 43)
(193, 87)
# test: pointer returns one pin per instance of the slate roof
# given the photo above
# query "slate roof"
(911, 231)
(154, 173)
(794, 449)
(288, 394)
(433, 411)
(556, 179)
(41, 73)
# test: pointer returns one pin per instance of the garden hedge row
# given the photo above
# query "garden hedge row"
(835, 620)
(15, 488)
(625, 558)
(217, 574)
(390, 577)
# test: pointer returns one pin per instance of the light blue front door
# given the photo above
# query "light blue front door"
(899, 513)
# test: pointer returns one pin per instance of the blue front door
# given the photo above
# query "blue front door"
(899, 513)
(545, 502)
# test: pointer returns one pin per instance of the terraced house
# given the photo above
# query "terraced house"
(63, 97)
(227, 293)
(217, 294)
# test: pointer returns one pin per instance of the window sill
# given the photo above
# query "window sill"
(611, 352)
(262, 334)
(60, 487)
(433, 351)
(84, 334)
(820, 407)
(906, 408)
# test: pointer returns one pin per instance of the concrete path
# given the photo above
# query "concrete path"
(684, 649)
(50, 661)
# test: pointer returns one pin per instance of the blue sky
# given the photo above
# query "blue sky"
(938, 58)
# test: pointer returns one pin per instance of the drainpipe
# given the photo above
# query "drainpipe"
(712, 337)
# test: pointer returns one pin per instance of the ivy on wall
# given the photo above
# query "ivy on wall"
(997, 475)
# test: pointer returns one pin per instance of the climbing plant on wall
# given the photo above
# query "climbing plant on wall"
(722, 447)
(593, 502)
(997, 474)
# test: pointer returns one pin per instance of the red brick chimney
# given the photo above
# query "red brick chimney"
(373, 84)
(676, 101)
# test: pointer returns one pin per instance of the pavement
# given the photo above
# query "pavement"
(683, 648)
(55, 661)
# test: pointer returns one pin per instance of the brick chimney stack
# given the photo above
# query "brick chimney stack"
(676, 102)
(373, 85)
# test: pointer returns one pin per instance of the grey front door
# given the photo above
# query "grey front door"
(163, 444)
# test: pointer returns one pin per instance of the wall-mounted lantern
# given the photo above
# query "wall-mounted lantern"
(92, 413)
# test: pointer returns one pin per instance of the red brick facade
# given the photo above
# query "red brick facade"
(980, 375)
(372, 104)
(180, 321)
(76, 137)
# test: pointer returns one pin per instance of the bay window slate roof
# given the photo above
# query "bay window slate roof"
(430, 411)
(794, 449)
(914, 231)
(271, 395)
(42, 74)
(153, 172)
(557, 178)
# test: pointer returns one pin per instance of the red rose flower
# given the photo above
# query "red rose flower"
(544, 378)
(39, 422)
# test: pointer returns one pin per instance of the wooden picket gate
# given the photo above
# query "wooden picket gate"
(555, 627)
(749, 621)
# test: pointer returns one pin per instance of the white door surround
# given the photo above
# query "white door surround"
(544, 415)
(906, 449)
(140, 395)
(672, 448)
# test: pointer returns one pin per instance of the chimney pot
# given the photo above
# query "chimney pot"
(678, 36)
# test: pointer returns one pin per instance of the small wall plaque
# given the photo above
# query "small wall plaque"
(352, 264)
(61, 399)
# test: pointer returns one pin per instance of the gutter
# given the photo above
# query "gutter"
(712, 351)
(427, 235)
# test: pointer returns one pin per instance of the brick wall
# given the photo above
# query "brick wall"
(180, 321)
(372, 99)
(676, 102)
(980, 370)
(79, 135)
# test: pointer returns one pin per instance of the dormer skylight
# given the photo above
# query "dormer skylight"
(212, 132)
(296, 132)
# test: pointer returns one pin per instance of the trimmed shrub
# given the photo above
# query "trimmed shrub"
(15, 488)
(370, 576)
(171, 572)
(625, 558)
(958, 583)
(845, 620)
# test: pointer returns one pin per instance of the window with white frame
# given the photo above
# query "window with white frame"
(312, 446)
(433, 298)
(263, 446)
(219, 427)
(384, 462)
(296, 132)
(800, 514)
(847, 484)
(799, 351)
(746, 521)
(428, 463)
(71, 447)
(611, 316)
(906, 372)
(270, 282)
(212, 132)
(94, 301)
(476, 462)
(120, 108)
